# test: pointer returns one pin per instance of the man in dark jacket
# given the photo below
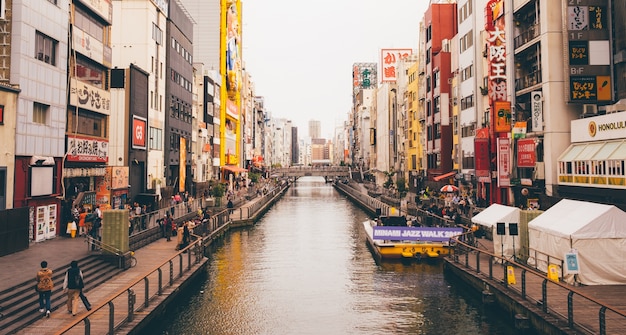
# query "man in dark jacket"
(72, 285)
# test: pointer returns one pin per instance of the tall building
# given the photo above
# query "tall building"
(39, 67)
(138, 94)
(439, 27)
(178, 97)
(315, 129)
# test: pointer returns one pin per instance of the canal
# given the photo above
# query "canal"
(304, 268)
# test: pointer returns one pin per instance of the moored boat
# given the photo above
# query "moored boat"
(392, 238)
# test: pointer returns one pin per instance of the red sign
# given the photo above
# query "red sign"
(139, 132)
(526, 157)
(1, 114)
(87, 149)
(389, 59)
(481, 155)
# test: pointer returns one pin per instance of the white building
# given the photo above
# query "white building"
(144, 48)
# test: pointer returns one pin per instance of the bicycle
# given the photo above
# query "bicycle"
(132, 261)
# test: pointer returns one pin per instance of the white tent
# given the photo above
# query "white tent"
(596, 232)
(489, 218)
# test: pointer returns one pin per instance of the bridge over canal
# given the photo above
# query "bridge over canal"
(328, 172)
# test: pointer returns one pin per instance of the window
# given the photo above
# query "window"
(90, 73)
(157, 34)
(90, 25)
(45, 48)
(467, 73)
(92, 124)
(435, 79)
(156, 138)
(40, 113)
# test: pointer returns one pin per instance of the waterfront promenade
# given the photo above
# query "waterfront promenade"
(22, 267)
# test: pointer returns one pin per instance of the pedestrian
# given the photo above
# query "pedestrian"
(230, 206)
(172, 205)
(73, 285)
(82, 229)
(167, 226)
(44, 288)
(186, 236)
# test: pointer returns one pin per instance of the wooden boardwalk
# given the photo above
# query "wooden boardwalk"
(149, 258)
(587, 301)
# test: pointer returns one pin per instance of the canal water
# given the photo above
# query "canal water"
(305, 268)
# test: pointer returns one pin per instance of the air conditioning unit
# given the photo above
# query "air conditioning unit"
(589, 109)
(445, 45)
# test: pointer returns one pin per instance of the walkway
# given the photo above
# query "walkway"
(60, 251)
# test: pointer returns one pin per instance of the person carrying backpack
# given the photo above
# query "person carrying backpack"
(44, 288)
(73, 285)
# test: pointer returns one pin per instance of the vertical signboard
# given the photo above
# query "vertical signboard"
(363, 76)
(526, 156)
(389, 59)
(504, 162)
(536, 110)
(589, 62)
(139, 132)
(182, 166)
(231, 66)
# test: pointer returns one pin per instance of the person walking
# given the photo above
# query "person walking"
(167, 225)
(44, 288)
(230, 206)
(73, 285)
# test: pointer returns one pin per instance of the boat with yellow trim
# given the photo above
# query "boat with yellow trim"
(392, 238)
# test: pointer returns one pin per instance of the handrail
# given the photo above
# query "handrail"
(460, 247)
(108, 301)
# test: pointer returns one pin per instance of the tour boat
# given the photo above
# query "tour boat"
(391, 237)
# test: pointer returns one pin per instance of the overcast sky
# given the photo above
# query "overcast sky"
(300, 53)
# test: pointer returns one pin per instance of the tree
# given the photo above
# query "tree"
(401, 187)
(389, 180)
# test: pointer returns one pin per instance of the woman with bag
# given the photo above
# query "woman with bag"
(73, 285)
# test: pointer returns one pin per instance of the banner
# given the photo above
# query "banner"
(526, 156)
(504, 162)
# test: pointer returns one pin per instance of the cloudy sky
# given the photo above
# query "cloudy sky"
(300, 53)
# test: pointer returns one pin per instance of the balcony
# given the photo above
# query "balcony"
(526, 35)
(529, 80)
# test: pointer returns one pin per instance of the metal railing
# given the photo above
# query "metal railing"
(139, 294)
(535, 287)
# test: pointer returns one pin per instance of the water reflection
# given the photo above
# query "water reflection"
(304, 268)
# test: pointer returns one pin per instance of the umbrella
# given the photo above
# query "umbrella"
(449, 189)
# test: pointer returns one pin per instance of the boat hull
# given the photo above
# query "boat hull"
(404, 250)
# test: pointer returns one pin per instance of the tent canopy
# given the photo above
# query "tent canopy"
(495, 213)
(595, 232)
(582, 220)
(489, 217)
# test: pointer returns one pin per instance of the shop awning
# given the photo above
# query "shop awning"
(234, 168)
(595, 151)
(446, 175)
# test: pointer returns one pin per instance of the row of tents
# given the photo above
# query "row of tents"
(584, 241)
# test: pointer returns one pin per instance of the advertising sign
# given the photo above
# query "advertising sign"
(87, 149)
(434, 234)
(503, 116)
(526, 156)
(182, 165)
(571, 263)
(481, 155)
(589, 63)
(389, 59)
(599, 128)
(536, 110)
(363, 76)
(89, 97)
(139, 132)
(504, 162)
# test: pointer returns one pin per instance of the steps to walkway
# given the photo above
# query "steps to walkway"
(20, 303)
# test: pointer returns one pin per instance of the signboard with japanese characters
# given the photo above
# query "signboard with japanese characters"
(526, 156)
(504, 162)
(496, 58)
(389, 59)
(87, 149)
(363, 76)
(589, 63)
(89, 97)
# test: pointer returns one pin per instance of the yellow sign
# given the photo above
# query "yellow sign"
(553, 273)
(510, 275)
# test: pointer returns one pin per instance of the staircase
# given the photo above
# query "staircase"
(19, 305)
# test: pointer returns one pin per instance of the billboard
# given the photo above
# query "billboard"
(589, 51)
(389, 59)
(364, 76)
(231, 69)
(526, 156)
